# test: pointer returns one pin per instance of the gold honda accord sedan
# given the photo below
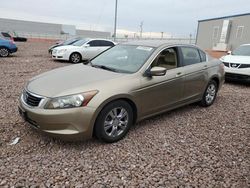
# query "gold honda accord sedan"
(125, 84)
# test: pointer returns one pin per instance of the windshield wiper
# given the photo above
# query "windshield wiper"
(87, 62)
(105, 67)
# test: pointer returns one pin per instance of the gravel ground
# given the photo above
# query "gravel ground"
(188, 147)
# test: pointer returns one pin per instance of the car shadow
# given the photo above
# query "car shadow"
(237, 83)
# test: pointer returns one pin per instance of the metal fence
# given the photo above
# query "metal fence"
(167, 40)
(65, 36)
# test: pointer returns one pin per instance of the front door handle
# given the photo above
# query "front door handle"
(178, 74)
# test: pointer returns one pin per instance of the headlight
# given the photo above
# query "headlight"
(71, 101)
(61, 51)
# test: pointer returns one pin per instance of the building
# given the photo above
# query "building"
(32, 29)
(223, 33)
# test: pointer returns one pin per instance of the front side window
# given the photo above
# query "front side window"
(167, 59)
(190, 55)
(124, 58)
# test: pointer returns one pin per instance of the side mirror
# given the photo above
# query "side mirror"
(86, 45)
(229, 52)
(157, 71)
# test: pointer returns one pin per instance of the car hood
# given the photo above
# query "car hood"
(67, 47)
(236, 59)
(55, 45)
(70, 80)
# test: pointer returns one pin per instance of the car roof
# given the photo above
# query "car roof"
(99, 39)
(155, 43)
(245, 45)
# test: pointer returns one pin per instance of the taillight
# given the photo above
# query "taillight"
(12, 41)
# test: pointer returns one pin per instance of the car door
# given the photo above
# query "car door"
(195, 72)
(92, 49)
(159, 93)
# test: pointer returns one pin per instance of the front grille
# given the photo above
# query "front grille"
(31, 99)
(236, 65)
(242, 66)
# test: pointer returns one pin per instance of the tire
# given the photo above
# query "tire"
(114, 121)
(210, 94)
(75, 57)
(4, 52)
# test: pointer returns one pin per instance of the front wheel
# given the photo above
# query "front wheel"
(114, 121)
(4, 52)
(209, 94)
(75, 58)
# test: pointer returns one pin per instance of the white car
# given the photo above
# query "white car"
(237, 64)
(84, 49)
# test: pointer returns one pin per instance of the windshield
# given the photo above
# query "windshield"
(242, 50)
(124, 58)
(80, 42)
(70, 41)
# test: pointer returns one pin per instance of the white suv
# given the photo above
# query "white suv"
(84, 49)
(237, 64)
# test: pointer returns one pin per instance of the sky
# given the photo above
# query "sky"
(173, 17)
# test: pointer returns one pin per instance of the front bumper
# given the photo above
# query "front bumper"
(237, 77)
(67, 124)
(237, 74)
(13, 50)
(61, 56)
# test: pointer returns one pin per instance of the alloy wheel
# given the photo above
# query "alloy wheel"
(75, 58)
(210, 93)
(116, 122)
(4, 52)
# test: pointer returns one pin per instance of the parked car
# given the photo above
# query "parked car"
(16, 38)
(64, 43)
(123, 85)
(7, 47)
(237, 64)
(84, 49)
(6, 36)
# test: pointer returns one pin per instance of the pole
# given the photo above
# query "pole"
(115, 20)
(141, 29)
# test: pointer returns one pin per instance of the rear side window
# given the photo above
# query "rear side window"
(190, 55)
(106, 43)
(95, 43)
(203, 56)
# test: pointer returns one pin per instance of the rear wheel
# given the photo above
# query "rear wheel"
(4, 52)
(209, 94)
(75, 58)
(114, 121)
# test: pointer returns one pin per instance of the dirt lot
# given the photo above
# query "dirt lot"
(188, 147)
